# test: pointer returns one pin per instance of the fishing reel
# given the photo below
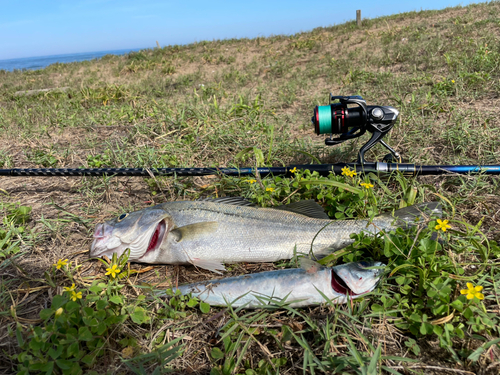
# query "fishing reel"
(350, 117)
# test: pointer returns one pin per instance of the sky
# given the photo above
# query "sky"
(51, 27)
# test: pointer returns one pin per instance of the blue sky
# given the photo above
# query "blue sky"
(41, 28)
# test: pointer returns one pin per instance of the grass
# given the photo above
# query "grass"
(241, 103)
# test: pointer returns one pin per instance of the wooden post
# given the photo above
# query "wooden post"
(358, 17)
(158, 45)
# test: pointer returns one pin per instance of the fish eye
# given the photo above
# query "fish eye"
(122, 216)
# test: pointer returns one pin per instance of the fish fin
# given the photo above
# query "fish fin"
(234, 201)
(310, 266)
(192, 231)
(211, 265)
(416, 214)
(307, 208)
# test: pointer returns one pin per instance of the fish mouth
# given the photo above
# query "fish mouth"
(339, 285)
(156, 238)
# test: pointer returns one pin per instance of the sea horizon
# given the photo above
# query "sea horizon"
(41, 62)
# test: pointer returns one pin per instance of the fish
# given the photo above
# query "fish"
(295, 287)
(209, 233)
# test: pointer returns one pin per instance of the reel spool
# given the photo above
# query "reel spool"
(350, 117)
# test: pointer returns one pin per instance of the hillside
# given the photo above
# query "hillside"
(248, 102)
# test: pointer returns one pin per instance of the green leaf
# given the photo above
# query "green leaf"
(438, 330)
(139, 316)
(46, 313)
(474, 356)
(96, 289)
(71, 306)
(84, 334)
(88, 359)
(457, 305)
(204, 307)
(372, 367)
(101, 328)
(55, 353)
(101, 304)
(75, 369)
(415, 317)
(426, 329)
(57, 302)
(19, 336)
(192, 302)
(118, 300)
(64, 364)
(73, 350)
(400, 280)
(35, 344)
(468, 313)
(216, 353)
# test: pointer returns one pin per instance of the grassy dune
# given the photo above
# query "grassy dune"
(248, 102)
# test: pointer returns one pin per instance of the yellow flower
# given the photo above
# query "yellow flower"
(60, 263)
(75, 295)
(270, 189)
(70, 288)
(473, 291)
(452, 81)
(251, 181)
(59, 311)
(113, 271)
(443, 225)
(294, 170)
(347, 172)
(366, 185)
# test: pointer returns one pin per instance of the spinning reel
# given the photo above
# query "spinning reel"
(350, 117)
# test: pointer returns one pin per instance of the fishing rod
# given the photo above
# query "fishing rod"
(322, 169)
(346, 116)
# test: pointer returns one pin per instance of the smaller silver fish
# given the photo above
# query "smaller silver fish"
(297, 286)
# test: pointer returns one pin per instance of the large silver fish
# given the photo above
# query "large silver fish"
(296, 287)
(210, 233)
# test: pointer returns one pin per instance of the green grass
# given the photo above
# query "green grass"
(248, 102)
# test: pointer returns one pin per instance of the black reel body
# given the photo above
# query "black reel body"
(350, 117)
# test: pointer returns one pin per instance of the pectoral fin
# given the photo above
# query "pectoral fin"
(211, 265)
(193, 231)
(310, 266)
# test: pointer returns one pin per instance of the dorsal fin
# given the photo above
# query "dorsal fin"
(235, 201)
(310, 266)
(307, 208)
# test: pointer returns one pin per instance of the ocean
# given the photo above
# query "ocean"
(40, 62)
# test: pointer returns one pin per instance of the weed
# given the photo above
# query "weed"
(43, 158)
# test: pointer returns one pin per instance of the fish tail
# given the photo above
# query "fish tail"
(413, 215)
